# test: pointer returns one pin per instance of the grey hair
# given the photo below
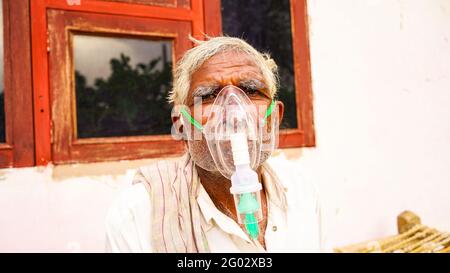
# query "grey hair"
(196, 56)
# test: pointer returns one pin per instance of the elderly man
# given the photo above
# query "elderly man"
(225, 194)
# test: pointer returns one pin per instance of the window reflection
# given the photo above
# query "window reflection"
(266, 25)
(122, 85)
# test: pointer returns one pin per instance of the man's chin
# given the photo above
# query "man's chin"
(212, 169)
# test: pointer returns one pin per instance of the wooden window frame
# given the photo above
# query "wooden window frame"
(54, 140)
(163, 3)
(18, 149)
(63, 25)
(304, 134)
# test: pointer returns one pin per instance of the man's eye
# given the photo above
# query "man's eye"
(210, 96)
(250, 91)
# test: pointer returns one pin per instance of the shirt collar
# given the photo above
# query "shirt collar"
(276, 194)
(210, 212)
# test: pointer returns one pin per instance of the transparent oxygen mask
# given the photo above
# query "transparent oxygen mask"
(237, 134)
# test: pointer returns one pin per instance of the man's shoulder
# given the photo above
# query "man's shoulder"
(127, 221)
(131, 196)
(134, 200)
(157, 170)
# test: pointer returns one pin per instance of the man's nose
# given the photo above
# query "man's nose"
(231, 92)
(230, 89)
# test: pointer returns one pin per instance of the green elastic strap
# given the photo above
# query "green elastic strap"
(268, 112)
(191, 119)
(200, 127)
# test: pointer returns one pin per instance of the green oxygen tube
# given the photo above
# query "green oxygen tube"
(245, 187)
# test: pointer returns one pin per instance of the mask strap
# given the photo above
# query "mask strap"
(200, 127)
(191, 119)
(268, 112)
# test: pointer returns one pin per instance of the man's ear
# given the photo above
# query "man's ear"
(280, 111)
(177, 129)
(178, 123)
(175, 119)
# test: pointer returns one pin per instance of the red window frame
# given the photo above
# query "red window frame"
(63, 25)
(18, 149)
(54, 129)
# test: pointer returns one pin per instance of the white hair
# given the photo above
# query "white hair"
(196, 56)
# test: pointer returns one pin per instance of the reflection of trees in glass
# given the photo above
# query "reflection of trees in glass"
(131, 101)
(2, 117)
(266, 24)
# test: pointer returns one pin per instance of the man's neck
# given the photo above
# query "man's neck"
(218, 188)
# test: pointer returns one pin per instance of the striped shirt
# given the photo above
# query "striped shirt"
(141, 222)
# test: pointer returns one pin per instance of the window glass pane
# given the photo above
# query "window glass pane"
(266, 25)
(122, 85)
(2, 84)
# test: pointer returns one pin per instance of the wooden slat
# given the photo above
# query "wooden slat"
(302, 70)
(122, 151)
(291, 138)
(198, 29)
(19, 148)
(6, 151)
(213, 18)
(40, 83)
(162, 3)
(128, 9)
(23, 134)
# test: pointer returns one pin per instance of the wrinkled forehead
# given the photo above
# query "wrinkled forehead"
(227, 68)
(226, 57)
(226, 64)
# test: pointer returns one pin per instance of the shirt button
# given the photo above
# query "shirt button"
(274, 228)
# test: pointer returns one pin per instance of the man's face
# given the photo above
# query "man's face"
(228, 68)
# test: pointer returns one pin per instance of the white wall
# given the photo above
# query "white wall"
(381, 81)
(57, 209)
